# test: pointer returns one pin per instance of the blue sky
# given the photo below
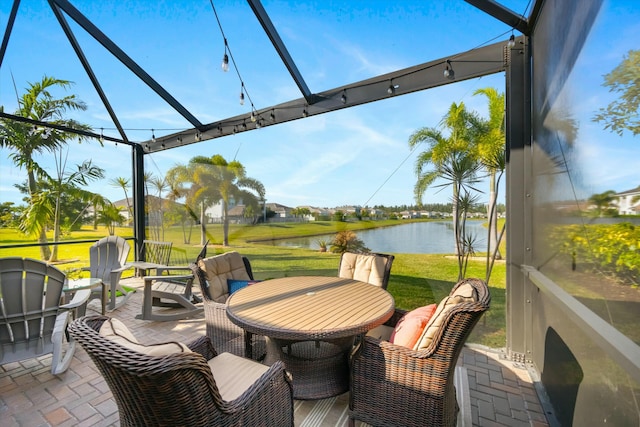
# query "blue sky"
(354, 156)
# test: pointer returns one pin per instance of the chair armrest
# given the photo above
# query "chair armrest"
(80, 297)
(203, 346)
(121, 269)
(395, 318)
(170, 277)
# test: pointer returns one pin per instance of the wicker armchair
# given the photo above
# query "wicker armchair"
(392, 385)
(182, 388)
(212, 274)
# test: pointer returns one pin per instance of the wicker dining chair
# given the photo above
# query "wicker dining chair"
(212, 274)
(372, 268)
(392, 385)
(184, 385)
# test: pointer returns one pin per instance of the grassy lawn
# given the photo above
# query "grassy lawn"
(416, 279)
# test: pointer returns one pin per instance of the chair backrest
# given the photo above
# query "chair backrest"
(213, 273)
(371, 268)
(107, 254)
(156, 252)
(30, 292)
(456, 314)
(174, 389)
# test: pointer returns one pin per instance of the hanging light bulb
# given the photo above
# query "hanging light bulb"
(305, 113)
(392, 88)
(242, 94)
(244, 126)
(272, 116)
(253, 115)
(258, 124)
(343, 98)
(153, 136)
(101, 135)
(448, 71)
(512, 41)
(225, 58)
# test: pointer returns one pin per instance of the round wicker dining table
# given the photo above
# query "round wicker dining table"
(310, 323)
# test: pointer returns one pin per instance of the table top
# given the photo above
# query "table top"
(310, 307)
(84, 283)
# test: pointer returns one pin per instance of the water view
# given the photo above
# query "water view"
(414, 238)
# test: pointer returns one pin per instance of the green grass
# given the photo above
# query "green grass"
(416, 279)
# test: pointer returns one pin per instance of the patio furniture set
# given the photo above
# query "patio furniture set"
(267, 343)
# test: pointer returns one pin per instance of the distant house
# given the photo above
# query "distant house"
(155, 208)
(281, 211)
(628, 202)
(316, 213)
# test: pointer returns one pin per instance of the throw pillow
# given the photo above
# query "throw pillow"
(410, 327)
(235, 285)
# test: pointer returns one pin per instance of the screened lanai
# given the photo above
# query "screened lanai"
(570, 315)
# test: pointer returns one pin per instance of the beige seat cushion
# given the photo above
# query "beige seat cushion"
(382, 332)
(465, 293)
(116, 331)
(366, 268)
(218, 269)
(234, 374)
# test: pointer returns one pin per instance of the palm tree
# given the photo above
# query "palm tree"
(214, 180)
(602, 201)
(110, 216)
(123, 183)
(160, 185)
(446, 152)
(491, 145)
(25, 140)
(69, 184)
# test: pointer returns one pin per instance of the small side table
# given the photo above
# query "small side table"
(74, 285)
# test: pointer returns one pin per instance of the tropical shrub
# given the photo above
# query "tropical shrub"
(609, 248)
(347, 241)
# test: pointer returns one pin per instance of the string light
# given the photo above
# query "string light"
(228, 55)
(392, 88)
(153, 136)
(343, 98)
(448, 71)
(225, 58)
(253, 114)
(102, 135)
(272, 116)
(512, 41)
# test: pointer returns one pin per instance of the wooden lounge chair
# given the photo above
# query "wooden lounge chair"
(400, 386)
(32, 320)
(172, 384)
(107, 261)
(156, 256)
(171, 291)
(371, 268)
(212, 274)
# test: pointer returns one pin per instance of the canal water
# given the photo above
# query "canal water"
(435, 237)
